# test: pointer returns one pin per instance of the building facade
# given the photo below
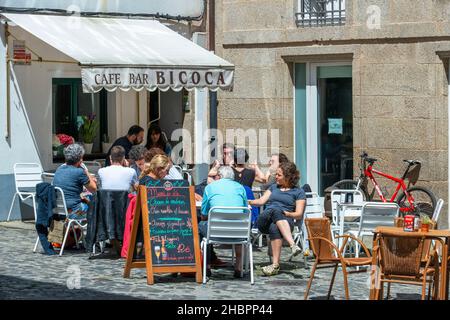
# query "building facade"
(337, 77)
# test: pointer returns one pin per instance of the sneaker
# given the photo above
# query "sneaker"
(271, 270)
(295, 250)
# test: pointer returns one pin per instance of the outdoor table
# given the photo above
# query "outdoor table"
(396, 231)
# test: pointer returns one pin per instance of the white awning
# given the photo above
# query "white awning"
(129, 53)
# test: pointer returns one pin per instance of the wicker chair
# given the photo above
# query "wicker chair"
(329, 255)
(407, 260)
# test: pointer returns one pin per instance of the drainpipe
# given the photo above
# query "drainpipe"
(8, 90)
(212, 94)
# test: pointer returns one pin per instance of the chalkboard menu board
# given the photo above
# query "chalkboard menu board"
(166, 214)
(170, 221)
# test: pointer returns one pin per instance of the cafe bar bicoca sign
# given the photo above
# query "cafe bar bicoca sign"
(95, 79)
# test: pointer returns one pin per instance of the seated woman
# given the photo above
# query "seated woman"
(156, 169)
(71, 177)
(155, 139)
(173, 174)
(242, 174)
(285, 202)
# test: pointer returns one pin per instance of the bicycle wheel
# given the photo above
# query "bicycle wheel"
(352, 184)
(345, 184)
(424, 200)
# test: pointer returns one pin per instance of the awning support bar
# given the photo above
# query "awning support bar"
(8, 89)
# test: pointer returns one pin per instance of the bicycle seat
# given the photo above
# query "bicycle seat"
(371, 160)
(412, 162)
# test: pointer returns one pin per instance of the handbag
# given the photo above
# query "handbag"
(56, 231)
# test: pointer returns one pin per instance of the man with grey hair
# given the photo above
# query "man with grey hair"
(71, 177)
(223, 192)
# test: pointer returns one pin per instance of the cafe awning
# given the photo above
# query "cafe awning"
(129, 53)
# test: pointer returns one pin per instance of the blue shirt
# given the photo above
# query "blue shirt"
(71, 180)
(284, 200)
(223, 193)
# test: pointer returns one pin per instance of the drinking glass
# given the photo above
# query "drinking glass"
(157, 252)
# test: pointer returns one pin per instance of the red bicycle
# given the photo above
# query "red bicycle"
(413, 199)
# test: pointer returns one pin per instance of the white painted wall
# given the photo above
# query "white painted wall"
(20, 147)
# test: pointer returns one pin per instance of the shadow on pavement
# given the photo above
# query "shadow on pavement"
(25, 289)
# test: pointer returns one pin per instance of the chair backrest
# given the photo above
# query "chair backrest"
(187, 176)
(437, 210)
(179, 169)
(320, 227)
(27, 175)
(61, 207)
(314, 206)
(93, 166)
(229, 223)
(343, 195)
(401, 255)
(375, 214)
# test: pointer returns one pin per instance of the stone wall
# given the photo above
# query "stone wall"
(400, 87)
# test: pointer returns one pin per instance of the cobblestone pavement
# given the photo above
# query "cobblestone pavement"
(28, 275)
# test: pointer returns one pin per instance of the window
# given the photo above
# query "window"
(319, 13)
(70, 103)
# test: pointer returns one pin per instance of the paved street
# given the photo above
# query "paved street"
(28, 275)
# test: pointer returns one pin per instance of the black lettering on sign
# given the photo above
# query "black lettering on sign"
(170, 222)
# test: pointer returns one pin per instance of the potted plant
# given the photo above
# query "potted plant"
(106, 143)
(88, 131)
(425, 223)
(59, 142)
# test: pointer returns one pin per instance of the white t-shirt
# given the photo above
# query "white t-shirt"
(117, 178)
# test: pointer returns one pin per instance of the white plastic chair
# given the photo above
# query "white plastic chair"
(229, 225)
(26, 176)
(188, 177)
(348, 196)
(179, 169)
(61, 209)
(375, 214)
(437, 210)
(314, 209)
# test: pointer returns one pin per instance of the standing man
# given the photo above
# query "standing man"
(134, 137)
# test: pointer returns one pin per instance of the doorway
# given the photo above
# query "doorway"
(324, 123)
(167, 108)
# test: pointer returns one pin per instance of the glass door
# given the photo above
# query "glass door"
(323, 125)
(335, 124)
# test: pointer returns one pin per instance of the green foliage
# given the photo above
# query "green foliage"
(88, 130)
(425, 218)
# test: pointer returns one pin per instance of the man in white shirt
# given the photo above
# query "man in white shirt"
(118, 176)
